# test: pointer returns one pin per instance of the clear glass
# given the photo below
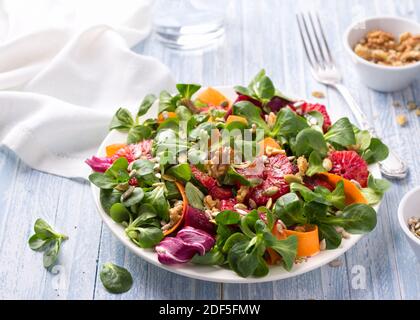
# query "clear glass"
(189, 24)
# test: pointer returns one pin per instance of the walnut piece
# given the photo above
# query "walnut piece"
(382, 48)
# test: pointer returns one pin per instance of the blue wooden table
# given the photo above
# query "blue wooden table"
(259, 34)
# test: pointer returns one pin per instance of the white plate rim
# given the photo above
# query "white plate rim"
(215, 273)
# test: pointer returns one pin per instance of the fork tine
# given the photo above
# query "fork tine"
(324, 39)
(325, 59)
(305, 46)
(315, 52)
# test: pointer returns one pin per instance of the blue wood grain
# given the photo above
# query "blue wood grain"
(259, 34)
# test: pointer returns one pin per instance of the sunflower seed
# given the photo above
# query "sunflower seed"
(127, 193)
(271, 191)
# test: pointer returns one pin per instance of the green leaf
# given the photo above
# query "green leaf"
(243, 91)
(331, 236)
(234, 238)
(149, 237)
(363, 138)
(252, 113)
(108, 197)
(289, 209)
(315, 164)
(138, 133)
(43, 229)
(309, 140)
(232, 177)
(288, 123)
(146, 104)
(122, 120)
(118, 170)
(262, 269)
(167, 102)
(228, 217)
(375, 190)
(157, 199)
(315, 120)
(183, 113)
(194, 195)
(115, 279)
(180, 172)
(102, 181)
(38, 242)
(211, 258)
(341, 132)
(264, 88)
(314, 212)
(135, 198)
(337, 198)
(307, 194)
(376, 152)
(242, 259)
(51, 253)
(286, 248)
(119, 213)
(356, 218)
(197, 131)
(187, 90)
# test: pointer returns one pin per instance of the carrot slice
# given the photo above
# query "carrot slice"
(267, 142)
(353, 193)
(113, 148)
(166, 115)
(184, 209)
(232, 118)
(308, 242)
(213, 97)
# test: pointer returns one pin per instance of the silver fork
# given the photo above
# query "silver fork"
(324, 70)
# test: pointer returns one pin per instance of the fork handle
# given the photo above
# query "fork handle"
(393, 166)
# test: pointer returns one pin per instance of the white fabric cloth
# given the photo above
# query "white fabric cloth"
(65, 67)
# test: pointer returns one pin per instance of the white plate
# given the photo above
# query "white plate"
(215, 273)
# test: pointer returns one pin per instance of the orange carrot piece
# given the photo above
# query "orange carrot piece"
(114, 148)
(232, 118)
(353, 193)
(267, 142)
(166, 115)
(308, 242)
(184, 209)
(213, 97)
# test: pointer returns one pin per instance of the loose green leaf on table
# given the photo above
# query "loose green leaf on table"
(115, 279)
(47, 240)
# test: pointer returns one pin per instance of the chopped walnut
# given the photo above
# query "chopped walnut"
(218, 165)
(382, 48)
(175, 214)
(242, 193)
(210, 203)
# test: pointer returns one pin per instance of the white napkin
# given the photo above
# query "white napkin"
(65, 67)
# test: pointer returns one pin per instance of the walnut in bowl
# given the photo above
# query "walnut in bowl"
(385, 52)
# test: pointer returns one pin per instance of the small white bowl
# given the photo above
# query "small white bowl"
(379, 77)
(410, 207)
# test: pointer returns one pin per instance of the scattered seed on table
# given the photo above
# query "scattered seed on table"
(411, 105)
(336, 263)
(396, 104)
(402, 120)
(418, 112)
(318, 94)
